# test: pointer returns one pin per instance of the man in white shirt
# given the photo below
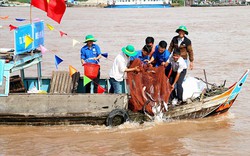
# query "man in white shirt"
(119, 68)
(179, 69)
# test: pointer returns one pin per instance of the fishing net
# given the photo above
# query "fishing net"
(149, 80)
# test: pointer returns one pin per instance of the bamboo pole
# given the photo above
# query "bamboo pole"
(30, 14)
(205, 77)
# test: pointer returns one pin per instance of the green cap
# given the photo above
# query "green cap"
(129, 50)
(89, 38)
(183, 28)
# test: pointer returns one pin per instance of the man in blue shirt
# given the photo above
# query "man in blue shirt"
(143, 54)
(161, 54)
(150, 42)
(91, 53)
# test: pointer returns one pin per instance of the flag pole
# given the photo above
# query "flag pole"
(30, 14)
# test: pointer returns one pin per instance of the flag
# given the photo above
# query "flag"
(20, 19)
(86, 80)
(40, 4)
(36, 19)
(58, 60)
(72, 70)
(12, 27)
(28, 40)
(43, 49)
(62, 33)
(54, 8)
(105, 55)
(50, 27)
(75, 42)
(100, 89)
(4, 17)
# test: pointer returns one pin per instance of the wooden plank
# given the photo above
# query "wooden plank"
(65, 84)
(15, 79)
(69, 84)
(69, 80)
(56, 82)
(52, 82)
(16, 90)
(62, 82)
(54, 120)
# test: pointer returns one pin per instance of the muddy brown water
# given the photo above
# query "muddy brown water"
(220, 38)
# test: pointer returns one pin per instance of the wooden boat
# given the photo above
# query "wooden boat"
(59, 100)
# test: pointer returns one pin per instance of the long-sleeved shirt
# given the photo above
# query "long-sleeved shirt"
(185, 48)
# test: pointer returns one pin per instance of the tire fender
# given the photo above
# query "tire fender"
(117, 117)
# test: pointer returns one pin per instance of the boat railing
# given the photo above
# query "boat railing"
(19, 63)
(32, 82)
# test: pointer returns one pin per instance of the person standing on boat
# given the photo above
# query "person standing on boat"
(91, 53)
(150, 42)
(179, 69)
(143, 54)
(184, 44)
(160, 55)
(119, 68)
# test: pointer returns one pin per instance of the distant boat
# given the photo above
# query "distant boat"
(138, 4)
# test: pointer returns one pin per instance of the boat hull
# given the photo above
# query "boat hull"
(99, 109)
(43, 109)
(89, 109)
(72, 112)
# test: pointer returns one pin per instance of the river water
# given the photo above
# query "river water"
(221, 43)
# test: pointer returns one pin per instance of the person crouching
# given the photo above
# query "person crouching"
(179, 69)
(143, 54)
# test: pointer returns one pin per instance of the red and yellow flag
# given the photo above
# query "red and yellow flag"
(54, 8)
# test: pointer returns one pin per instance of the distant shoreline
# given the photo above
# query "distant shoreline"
(216, 5)
(102, 5)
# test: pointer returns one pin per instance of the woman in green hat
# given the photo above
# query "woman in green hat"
(119, 67)
(91, 53)
(184, 44)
